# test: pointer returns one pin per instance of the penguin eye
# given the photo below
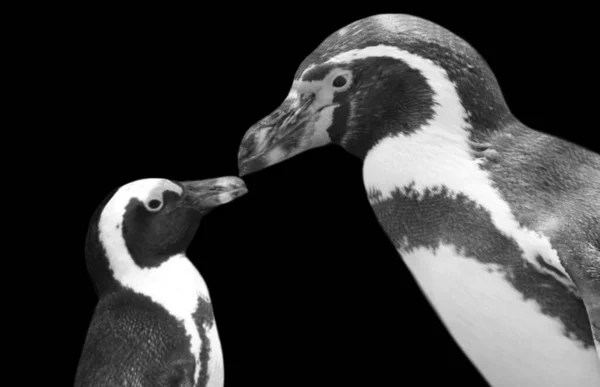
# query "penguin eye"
(154, 205)
(339, 81)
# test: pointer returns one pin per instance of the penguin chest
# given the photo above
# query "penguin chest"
(506, 335)
(180, 289)
(498, 288)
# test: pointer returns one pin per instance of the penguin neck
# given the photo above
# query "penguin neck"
(113, 268)
(433, 135)
(435, 155)
(175, 283)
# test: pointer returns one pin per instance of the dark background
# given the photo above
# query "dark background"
(306, 288)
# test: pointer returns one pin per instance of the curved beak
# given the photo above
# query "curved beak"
(210, 193)
(287, 131)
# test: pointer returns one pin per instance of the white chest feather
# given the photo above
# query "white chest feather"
(507, 337)
(438, 157)
(176, 285)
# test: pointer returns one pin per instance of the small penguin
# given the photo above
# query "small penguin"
(154, 324)
(498, 223)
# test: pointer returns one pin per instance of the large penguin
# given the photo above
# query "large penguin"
(154, 324)
(498, 223)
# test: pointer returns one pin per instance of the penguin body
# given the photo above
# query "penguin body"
(498, 223)
(154, 323)
(495, 279)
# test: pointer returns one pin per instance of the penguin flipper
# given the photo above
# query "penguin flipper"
(595, 321)
(587, 280)
(592, 304)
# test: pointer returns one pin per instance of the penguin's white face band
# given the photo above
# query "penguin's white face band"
(147, 191)
(336, 81)
(153, 200)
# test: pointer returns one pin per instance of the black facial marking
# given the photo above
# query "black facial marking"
(204, 319)
(386, 97)
(170, 197)
(151, 236)
(413, 221)
(339, 123)
(135, 339)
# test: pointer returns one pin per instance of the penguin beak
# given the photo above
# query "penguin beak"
(210, 193)
(286, 132)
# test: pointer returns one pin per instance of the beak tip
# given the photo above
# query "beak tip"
(243, 169)
(214, 192)
(241, 192)
(237, 188)
(248, 165)
(232, 195)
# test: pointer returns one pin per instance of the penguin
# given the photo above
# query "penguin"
(154, 323)
(498, 223)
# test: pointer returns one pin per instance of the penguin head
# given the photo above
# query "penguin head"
(145, 222)
(379, 76)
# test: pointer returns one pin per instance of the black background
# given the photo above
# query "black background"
(306, 288)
